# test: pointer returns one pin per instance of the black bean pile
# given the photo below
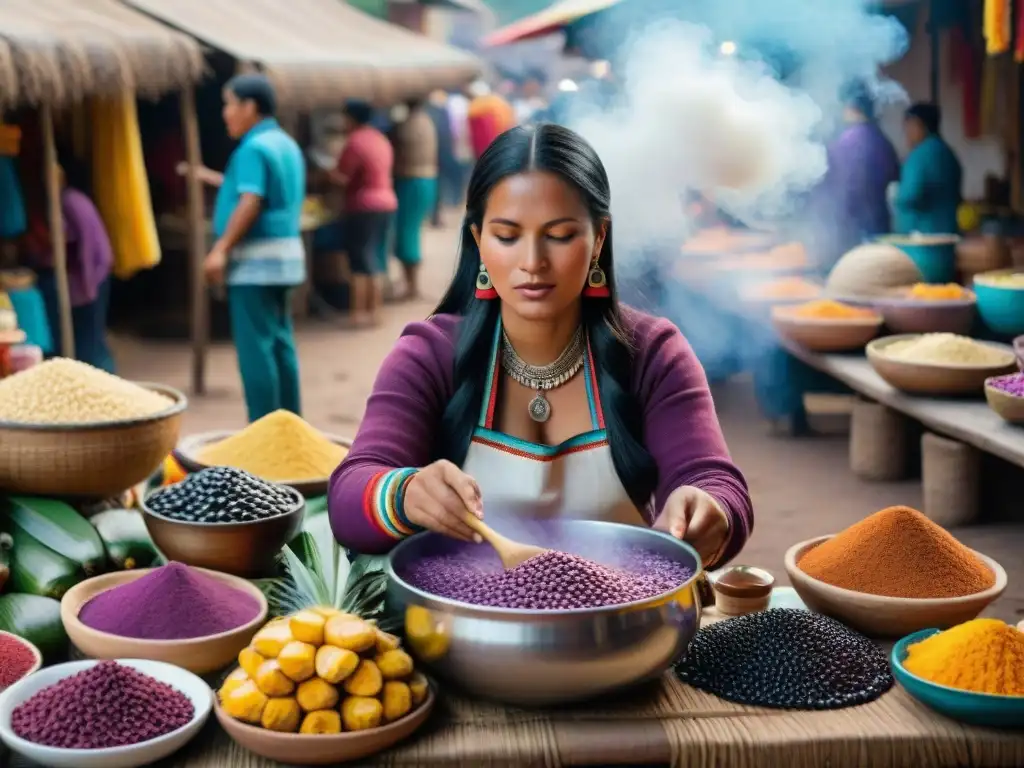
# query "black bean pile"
(222, 495)
(786, 659)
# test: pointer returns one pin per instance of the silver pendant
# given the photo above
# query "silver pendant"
(540, 408)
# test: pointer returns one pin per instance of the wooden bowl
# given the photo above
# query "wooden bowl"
(97, 460)
(1009, 407)
(930, 379)
(191, 447)
(240, 549)
(825, 335)
(299, 749)
(201, 655)
(879, 616)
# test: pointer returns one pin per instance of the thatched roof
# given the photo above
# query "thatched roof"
(59, 51)
(319, 52)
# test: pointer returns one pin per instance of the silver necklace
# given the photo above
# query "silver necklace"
(543, 377)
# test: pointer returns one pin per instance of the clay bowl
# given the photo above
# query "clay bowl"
(299, 749)
(241, 549)
(904, 314)
(191, 447)
(878, 616)
(930, 379)
(1009, 407)
(825, 335)
(201, 655)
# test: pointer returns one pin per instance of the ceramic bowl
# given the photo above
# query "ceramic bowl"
(240, 549)
(903, 314)
(194, 688)
(1009, 407)
(825, 335)
(983, 709)
(201, 655)
(35, 652)
(932, 379)
(299, 749)
(191, 447)
(878, 616)
(1001, 306)
(741, 589)
(934, 255)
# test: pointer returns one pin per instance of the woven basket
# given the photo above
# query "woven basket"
(88, 460)
(871, 270)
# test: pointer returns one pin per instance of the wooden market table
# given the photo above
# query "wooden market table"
(966, 420)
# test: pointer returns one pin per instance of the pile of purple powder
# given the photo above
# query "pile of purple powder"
(1011, 384)
(107, 705)
(173, 602)
(554, 581)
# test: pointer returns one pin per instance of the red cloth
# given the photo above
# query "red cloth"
(967, 68)
(489, 117)
(1018, 48)
(367, 161)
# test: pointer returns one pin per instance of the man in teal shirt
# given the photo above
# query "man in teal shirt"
(930, 183)
(259, 252)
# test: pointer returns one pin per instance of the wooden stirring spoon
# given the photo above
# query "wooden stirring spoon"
(512, 553)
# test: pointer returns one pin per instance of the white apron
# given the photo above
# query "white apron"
(575, 480)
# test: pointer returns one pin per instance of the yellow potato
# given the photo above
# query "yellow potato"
(348, 633)
(365, 681)
(395, 664)
(397, 700)
(316, 694)
(335, 664)
(360, 713)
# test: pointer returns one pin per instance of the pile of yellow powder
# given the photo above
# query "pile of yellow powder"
(279, 447)
(982, 655)
(947, 349)
(63, 391)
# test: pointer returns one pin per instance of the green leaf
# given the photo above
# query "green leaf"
(283, 596)
(306, 581)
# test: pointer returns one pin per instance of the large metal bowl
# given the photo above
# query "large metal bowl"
(538, 658)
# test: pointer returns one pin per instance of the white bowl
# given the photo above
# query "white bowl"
(197, 691)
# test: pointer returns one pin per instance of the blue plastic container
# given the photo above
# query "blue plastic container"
(934, 255)
(984, 709)
(1001, 307)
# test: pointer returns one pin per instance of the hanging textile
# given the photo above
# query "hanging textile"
(997, 28)
(967, 72)
(989, 94)
(121, 187)
(1018, 51)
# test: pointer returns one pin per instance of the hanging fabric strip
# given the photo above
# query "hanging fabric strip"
(997, 26)
(1018, 51)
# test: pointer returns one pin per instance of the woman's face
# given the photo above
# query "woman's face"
(915, 131)
(537, 241)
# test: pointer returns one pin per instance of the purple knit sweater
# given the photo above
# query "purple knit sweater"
(414, 383)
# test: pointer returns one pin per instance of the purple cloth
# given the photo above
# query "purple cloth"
(862, 163)
(89, 254)
(403, 414)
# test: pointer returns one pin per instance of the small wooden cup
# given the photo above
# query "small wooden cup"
(742, 589)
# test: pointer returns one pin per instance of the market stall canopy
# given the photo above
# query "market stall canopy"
(547, 21)
(58, 51)
(320, 52)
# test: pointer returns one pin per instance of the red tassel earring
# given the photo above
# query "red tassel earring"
(484, 286)
(597, 283)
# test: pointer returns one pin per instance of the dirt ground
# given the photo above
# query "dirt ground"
(800, 487)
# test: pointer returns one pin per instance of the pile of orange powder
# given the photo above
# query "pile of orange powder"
(826, 309)
(898, 552)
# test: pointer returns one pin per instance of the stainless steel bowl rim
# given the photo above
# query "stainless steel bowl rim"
(491, 612)
(298, 507)
(179, 405)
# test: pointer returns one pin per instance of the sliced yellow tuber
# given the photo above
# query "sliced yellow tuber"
(250, 660)
(317, 694)
(231, 682)
(335, 664)
(269, 641)
(297, 660)
(246, 703)
(365, 681)
(282, 715)
(397, 700)
(348, 633)
(324, 721)
(395, 664)
(308, 626)
(360, 713)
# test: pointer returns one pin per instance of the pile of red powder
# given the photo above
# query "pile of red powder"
(16, 659)
(107, 705)
(173, 602)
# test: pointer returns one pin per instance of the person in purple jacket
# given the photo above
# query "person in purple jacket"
(531, 391)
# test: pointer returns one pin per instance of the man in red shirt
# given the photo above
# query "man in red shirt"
(365, 173)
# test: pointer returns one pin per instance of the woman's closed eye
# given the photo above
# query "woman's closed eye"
(508, 239)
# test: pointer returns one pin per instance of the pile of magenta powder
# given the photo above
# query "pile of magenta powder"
(173, 602)
(107, 705)
(1011, 384)
(553, 581)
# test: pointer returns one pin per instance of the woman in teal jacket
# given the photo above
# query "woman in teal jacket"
(929, 191)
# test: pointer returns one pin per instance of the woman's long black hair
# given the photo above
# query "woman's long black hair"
(552, 148)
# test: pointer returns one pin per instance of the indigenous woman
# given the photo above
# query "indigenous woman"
(531, 389)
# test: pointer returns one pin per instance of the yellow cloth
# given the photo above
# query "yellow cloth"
(997, 29)
(121, 187)
(989, 92)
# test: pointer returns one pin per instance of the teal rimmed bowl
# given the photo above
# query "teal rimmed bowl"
(984, 709)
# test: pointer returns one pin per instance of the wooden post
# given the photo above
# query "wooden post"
(57, 242)
(200, 316)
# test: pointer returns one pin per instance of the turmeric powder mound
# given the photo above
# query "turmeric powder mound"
(278, 447)
(826, 309)
(983, 655)
(898, 552)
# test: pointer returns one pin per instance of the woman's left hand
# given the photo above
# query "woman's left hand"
(695, 517)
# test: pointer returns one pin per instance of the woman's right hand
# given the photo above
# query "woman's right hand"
(438, 497)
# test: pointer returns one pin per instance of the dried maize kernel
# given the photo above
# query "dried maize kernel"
(360, 713)
(350, 634)
(397, 700)
(317, 694)
(282, 715)
(272, 680)
(269, 641)
(385, 641)
(249, 660)
(296, 660)
(246, 703)
(308, 626)
(324, 721)
(335, 664)
(231, 682)
(365, 681)
(394, 664)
